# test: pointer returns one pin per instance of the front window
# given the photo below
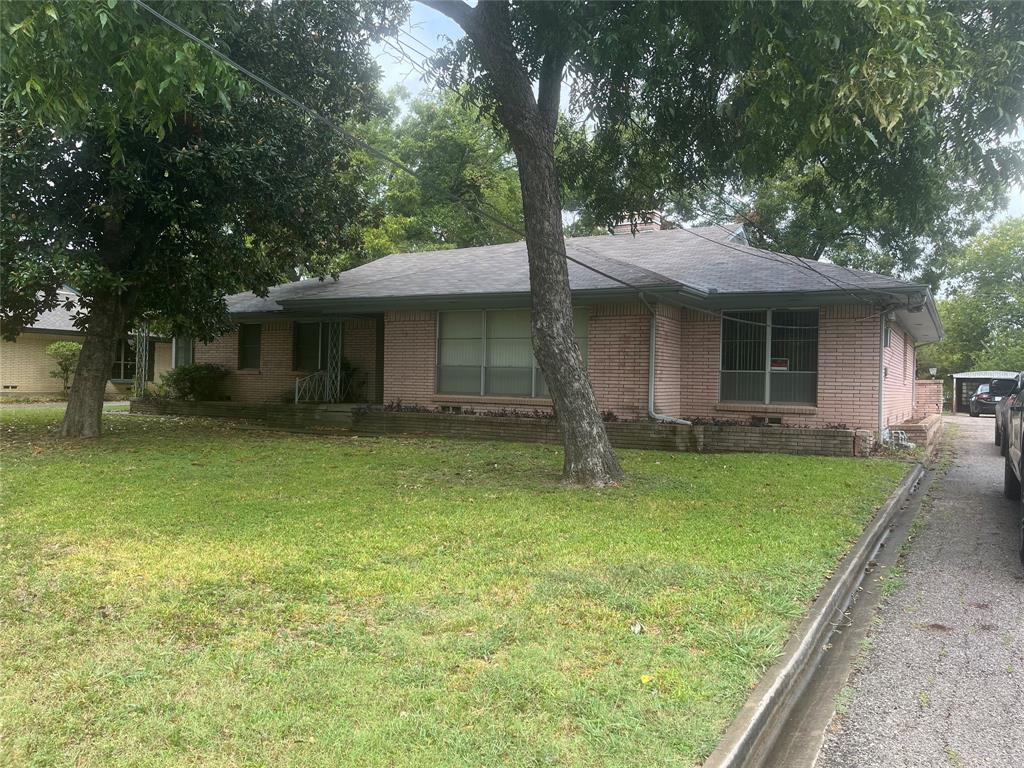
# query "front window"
(124, 361)
(491, 353)
(306, 347)
(770, 356)
(248, 346)
(184, 351)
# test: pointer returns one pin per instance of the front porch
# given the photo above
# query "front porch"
(302, 360)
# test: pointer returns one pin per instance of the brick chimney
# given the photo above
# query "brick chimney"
(646, 221)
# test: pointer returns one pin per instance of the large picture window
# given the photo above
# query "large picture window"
(491, 353)
(124, 361)
(770, 356)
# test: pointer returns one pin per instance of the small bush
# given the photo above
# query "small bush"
(66, 354)
(195, 381)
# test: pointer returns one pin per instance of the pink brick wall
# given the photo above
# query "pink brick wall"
(410, 347)
(700, 358)
(928, 398)
(618, 341)
(619, 346)
(274, 382)
(901, 368)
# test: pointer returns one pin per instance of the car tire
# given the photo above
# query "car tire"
(1003, 445)
(1011, 483)
(973, 414)
(999, 438)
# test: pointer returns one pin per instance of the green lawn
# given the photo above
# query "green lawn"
(178, 593)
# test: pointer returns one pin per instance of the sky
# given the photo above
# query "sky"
(434, 30)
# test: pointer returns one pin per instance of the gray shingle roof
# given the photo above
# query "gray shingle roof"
(703, 261)
(58, 319)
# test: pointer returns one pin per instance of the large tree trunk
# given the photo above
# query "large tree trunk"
(589, 458)
(85, 402)
(530, 122)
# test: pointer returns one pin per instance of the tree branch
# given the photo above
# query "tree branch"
(456, 10)
(549, 90)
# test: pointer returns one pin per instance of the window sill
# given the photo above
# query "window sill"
(120, 381)
(803, 410)
(492, 400)
(248, 371)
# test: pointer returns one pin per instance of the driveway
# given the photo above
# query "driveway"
(941, 682)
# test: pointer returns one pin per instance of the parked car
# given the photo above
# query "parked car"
(1002, 410)
(1013, 468)
(986, 397)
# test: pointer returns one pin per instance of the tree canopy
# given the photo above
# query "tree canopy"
(155, 179)
(463, 166)
(875, 134)
(983, 311)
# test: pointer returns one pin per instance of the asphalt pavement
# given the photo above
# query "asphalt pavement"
(940, 680)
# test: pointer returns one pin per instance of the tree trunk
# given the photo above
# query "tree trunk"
(589, 457)
(530, 121)
(85, 402)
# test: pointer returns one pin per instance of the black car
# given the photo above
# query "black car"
(986, 397)
(1013, 471)
(1003, 410)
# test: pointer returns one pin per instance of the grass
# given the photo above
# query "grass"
(178, 593)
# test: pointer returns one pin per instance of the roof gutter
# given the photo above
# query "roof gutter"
(652, 370)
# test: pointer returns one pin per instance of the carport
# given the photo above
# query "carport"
(967, 383)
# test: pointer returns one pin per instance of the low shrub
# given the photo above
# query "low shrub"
(195, 381)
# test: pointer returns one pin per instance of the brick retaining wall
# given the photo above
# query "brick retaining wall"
(646, 435)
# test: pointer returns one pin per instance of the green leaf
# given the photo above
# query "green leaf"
(51, 12)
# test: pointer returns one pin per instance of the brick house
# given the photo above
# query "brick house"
(734, 333)
(25, 367)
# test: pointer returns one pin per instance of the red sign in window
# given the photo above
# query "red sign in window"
(780, 363)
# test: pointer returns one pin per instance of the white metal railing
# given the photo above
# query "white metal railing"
(314, 388)
(322, 387)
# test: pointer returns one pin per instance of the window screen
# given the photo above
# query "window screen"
(770, 356)
(743, 356)
(248, 346)
(794, 363)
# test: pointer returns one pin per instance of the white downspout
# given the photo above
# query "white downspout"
(651, 372)
(881, 376)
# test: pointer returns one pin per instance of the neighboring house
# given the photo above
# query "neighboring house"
(25, 367)
(740, 333)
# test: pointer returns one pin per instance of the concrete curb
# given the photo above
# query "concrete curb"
(750, 737)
